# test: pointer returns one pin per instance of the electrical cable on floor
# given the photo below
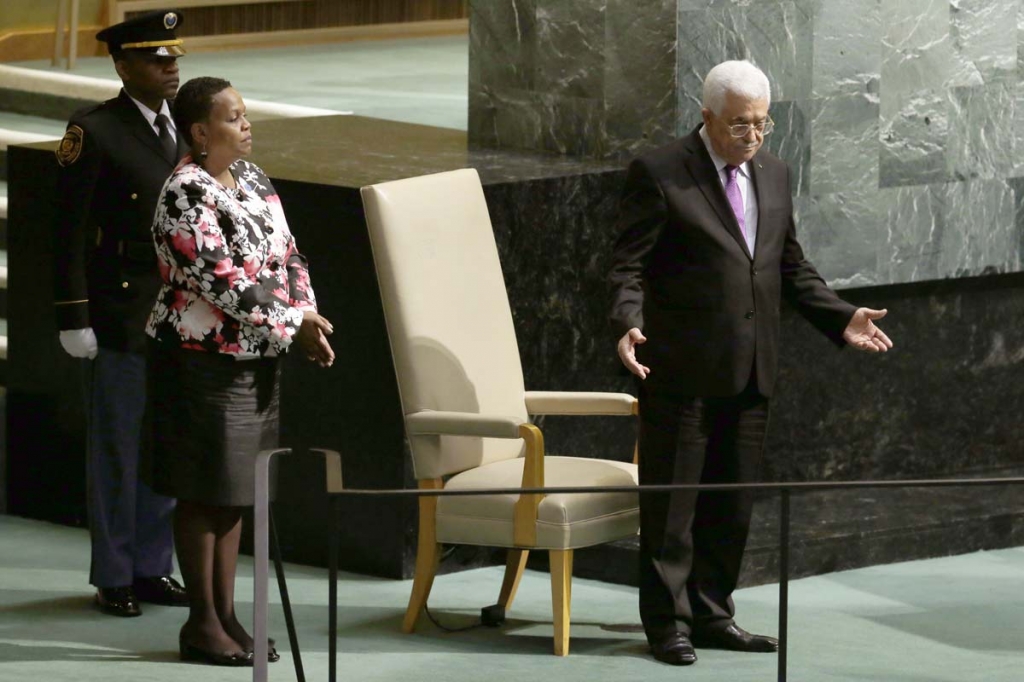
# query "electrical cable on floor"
(445, 628)
(491, 616)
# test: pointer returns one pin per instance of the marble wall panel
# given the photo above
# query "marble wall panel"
(914, 140)
(915, 223)
(505, 118)
(909, 111)
(840, 233)
(1020, 39)
(502, 45)
(983, 35)
(1016, 141)
(1018, 211)
(777, 36)
(573, 125)
(842, 127)
(980, 142)
(790, 142)
(916, 51)
(981, 229)
(640, 75)
(570, 48)
(847, 48)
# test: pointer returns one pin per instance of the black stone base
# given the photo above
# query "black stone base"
(944, 403)
(839, 530)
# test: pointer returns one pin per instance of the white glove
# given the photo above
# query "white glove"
(79, 343)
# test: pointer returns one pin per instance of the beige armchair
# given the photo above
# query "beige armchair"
(467, 413)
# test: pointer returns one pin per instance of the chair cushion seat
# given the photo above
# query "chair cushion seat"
(564, 521)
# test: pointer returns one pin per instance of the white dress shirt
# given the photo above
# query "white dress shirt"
(151, 116)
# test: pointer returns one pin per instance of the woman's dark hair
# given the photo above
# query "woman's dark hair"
(194, 102)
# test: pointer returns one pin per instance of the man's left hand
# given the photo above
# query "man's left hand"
(862, 333)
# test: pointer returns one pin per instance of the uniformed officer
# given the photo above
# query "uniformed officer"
(114, 159)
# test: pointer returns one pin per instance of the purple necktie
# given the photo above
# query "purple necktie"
(732, 191)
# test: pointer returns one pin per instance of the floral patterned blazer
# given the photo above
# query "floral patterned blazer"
(233, 281)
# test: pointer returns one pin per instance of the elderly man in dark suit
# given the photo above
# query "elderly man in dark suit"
(114, 159)
(706, 251)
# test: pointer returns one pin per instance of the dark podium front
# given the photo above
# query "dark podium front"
(317, 165)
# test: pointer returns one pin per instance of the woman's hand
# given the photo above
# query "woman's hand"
(312, 338)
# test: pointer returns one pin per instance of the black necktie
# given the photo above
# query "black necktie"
(167, 139)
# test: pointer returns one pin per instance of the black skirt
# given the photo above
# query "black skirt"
(210, 415)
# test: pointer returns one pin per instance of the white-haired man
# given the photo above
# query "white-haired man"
(706, 251)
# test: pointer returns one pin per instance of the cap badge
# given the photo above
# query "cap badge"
(170, 21)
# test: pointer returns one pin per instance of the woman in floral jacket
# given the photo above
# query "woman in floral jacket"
(236, 295)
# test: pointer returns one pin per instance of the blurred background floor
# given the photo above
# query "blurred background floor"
(415, 80)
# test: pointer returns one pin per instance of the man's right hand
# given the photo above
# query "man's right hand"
(79, 343)
(627, 352)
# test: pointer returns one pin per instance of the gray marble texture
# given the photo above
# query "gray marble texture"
(902, 122)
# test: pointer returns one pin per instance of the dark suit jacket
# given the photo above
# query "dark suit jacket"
(683, 275)
(105, 272)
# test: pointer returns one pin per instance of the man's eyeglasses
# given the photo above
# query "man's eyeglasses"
(763, 128)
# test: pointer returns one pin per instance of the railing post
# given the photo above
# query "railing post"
(783, 580)
(282, 587)
(332, 589)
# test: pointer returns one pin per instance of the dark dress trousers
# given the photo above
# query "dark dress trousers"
(113, 167)
(683, 274)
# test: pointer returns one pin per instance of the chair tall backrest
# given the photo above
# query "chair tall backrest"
(447, 312)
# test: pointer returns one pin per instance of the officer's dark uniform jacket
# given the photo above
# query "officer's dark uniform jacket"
(112, 171)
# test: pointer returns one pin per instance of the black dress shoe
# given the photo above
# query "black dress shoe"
(674, 649)
(272, 655)
(235, 659)
(118, 601)
(734, 638)
(162, 589)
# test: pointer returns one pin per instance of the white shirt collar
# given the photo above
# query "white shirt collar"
(718, 160)
(151, 115)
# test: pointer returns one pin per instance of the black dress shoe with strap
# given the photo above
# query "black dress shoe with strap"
(734, 638)
(118, 601)
(272, 655)
(674, 649)
(193, 653)
(161, 589)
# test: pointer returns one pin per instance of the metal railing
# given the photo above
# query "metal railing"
(785, 490)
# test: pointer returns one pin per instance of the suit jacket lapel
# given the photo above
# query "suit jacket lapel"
(757, 174)
(137, 124)
(698, 162)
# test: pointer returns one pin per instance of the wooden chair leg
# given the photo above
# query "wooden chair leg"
(515, 563)
(561, 597)
(428, 551)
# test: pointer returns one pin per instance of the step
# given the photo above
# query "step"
(57, 94)
(3, 285)
(12, 136)
(47, 128)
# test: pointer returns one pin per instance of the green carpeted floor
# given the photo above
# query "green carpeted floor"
(944, 620)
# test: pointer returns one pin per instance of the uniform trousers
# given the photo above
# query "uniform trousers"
(130, 526)
(691, 544)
